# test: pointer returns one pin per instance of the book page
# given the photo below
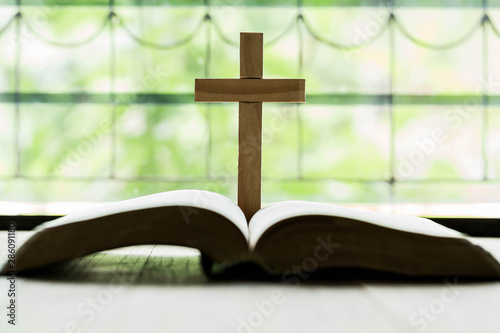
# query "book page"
(192, 198)
(272, 214)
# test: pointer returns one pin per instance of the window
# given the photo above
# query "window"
(96, 99)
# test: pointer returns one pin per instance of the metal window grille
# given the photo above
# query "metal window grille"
(300, 27)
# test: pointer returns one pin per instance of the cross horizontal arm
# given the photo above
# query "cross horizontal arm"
(250, 90)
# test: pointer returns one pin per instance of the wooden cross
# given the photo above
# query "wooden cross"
(250, 90)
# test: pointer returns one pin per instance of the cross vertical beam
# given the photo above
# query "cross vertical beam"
(250, 128)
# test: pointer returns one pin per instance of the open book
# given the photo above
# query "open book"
(283, 238)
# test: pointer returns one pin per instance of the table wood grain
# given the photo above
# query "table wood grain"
(157, 288)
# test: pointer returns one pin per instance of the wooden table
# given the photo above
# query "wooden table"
(163, 289)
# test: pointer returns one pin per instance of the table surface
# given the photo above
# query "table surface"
(157, 288)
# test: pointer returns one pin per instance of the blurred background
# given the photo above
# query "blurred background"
(96, 100)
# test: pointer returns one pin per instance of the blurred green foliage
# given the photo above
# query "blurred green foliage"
(334, 153)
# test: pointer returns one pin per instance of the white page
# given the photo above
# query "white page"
(192, 198)
(274, 213)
